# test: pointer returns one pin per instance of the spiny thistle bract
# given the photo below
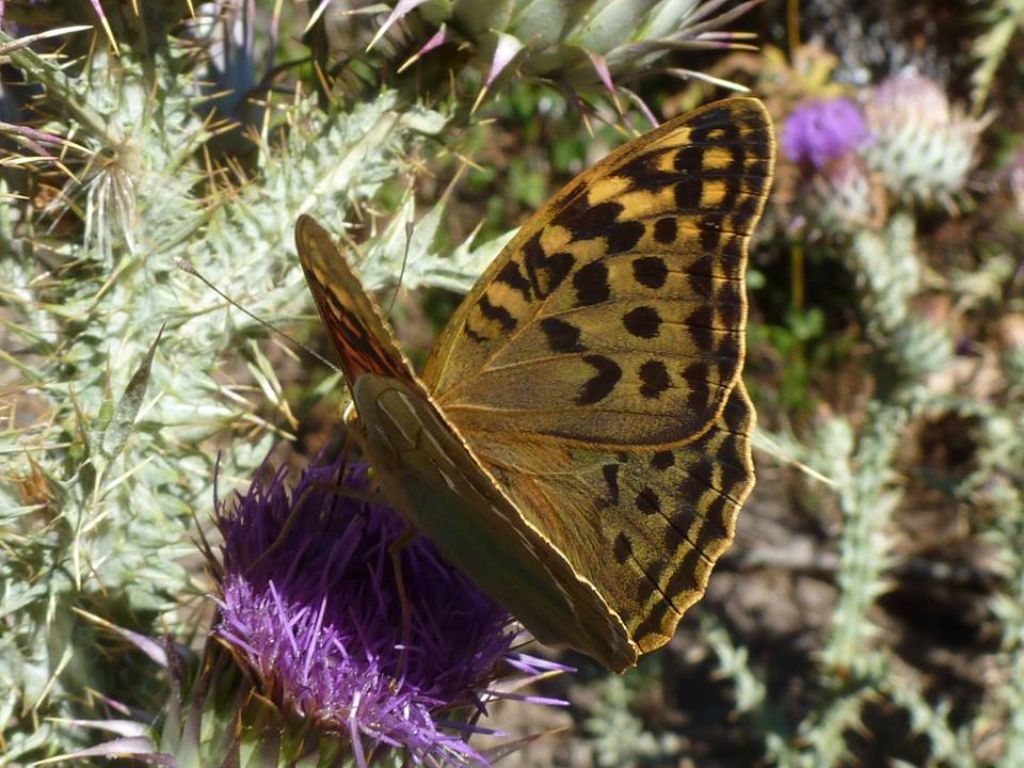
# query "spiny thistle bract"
(904, 137)
(903, 143)
(843, 196)
(332, 644)
(582, 45)
(112, 447)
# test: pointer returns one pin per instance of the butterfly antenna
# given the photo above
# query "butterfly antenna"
(410, 226)
(186, 266)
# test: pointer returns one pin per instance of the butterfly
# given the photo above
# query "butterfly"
(579, 442)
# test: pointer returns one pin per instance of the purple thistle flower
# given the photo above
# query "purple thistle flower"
(821, 131)
(310, 603)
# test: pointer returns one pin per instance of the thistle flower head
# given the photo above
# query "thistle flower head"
(909, 98)
(833, 188)
(844, 197)
(311, 604)
(923, 147)
(335, 669)
(824, 130)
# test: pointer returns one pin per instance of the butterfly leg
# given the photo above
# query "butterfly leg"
(337, 487)
(395, 553)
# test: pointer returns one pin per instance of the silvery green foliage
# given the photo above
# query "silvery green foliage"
(407, 247)
(889, 274)
(998, 481)
(1003, 20)
(857, 467)
(583, 44)
(617, 735)
(122, 357)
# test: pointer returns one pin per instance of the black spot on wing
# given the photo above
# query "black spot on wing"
(645, 171)
(665, 230)
(663, 460)
(562, 336)
(622, 549)
(700, 325)
(650, 271)
(606, 377)
(688, 195)
(699, 478)
(496, 313)
(654, 379)
(611, 479)
(696, 376)
(591, 284)
(511, 276)
(728, 348)
(545, 273)
(757, 164)
(586, 222)
(713, 531)
(715, 128)
(730, 256)
(648, 502)
(729, 303)
(701, 277)
(733, 476)
(691, 573)
(711, 225)
(623, 236)
(642, 322)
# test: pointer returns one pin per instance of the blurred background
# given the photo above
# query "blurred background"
(871, 610)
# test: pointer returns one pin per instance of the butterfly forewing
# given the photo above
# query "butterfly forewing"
(616, 316)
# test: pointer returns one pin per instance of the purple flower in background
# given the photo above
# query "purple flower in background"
(821, 131)
(310, 603)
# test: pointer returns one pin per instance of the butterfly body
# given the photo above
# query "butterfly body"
(579, 442)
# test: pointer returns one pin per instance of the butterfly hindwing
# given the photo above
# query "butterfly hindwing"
(426, 471)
